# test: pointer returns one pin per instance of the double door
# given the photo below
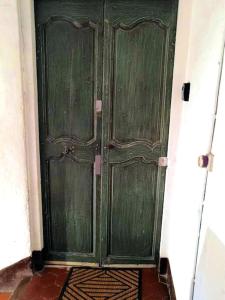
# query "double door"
(104, 82)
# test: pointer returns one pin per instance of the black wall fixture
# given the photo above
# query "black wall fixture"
(186, 91)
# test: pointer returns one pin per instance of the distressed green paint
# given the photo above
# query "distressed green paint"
(139, 53)
(74, 115)
(138, 65)
(131, 208)
(71, 209)
(121, 52)
(69, 52)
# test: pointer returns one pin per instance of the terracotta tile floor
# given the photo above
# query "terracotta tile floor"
(152, 289)
(5, 296)
(47, 285)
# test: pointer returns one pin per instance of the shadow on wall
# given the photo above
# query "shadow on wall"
(210, 277)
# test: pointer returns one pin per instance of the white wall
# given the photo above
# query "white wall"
(198, 52)
(185, 181)
(14, 220)
(210, 275)
(177, 106)
(19, 157)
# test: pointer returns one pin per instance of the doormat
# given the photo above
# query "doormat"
(102, 284)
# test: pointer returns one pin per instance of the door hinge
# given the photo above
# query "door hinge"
(163, 161)
(97, 165)
(98, 106)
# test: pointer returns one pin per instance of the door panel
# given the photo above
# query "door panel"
(71, 206)
(69, 40)
(138, 65)
(73, 70)
(139, 54)
(131, 207)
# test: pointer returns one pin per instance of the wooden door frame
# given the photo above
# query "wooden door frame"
(28, 59)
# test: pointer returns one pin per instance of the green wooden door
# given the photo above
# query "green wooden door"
(69, 52)
(121, 52)
(138, 66)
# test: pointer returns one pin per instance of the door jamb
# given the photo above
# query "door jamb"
(26, 21)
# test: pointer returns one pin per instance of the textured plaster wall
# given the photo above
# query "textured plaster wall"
(201, 33)
(210, 273)
(198, 53)
(14, 219)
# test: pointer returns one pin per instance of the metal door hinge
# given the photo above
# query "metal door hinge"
(98, 165)
(98, 106)
(163, 161)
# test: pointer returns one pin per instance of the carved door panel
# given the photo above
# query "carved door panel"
(69, 52)
(122, 52)
(138, 66)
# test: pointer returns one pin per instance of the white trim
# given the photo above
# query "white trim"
(28, 57)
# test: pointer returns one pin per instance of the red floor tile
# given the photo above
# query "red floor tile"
(47, 285)
(5, 296)
(152, 289)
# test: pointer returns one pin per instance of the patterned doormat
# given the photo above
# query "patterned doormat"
(102, 284)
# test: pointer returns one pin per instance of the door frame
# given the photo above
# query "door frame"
(26, 21)
(203, 215)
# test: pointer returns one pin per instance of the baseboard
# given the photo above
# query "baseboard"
(11, 276)
(165, 276)
(37, 261)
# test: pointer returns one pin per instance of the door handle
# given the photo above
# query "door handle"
(68, 150)
(206, 161)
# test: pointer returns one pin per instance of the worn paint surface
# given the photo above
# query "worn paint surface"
(69, 67)
(120, 52)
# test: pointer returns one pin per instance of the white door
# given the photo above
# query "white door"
(210, 272)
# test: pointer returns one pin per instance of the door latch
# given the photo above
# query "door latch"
(97, 165)
(68, 150)
(98, 106)
(163, 161)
